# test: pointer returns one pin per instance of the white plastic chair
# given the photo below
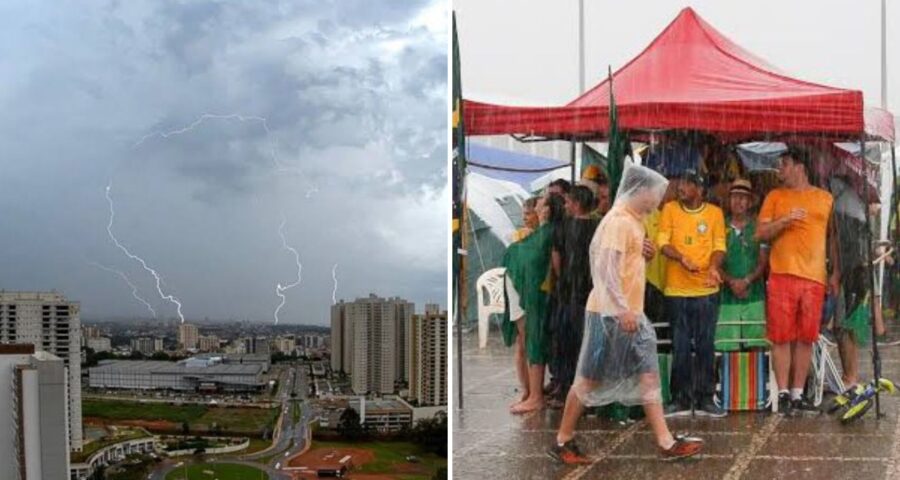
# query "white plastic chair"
(490, 300)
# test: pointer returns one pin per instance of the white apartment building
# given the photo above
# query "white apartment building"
(188, 336)
(428, 358)
(370, 342)
(35, 440)
(52, 324)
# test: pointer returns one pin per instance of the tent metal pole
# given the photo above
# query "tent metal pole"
(572, 160)
(876, 356)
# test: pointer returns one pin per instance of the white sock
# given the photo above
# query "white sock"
(796, 393)
(783, 391)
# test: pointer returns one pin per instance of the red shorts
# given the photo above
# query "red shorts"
(793, 308)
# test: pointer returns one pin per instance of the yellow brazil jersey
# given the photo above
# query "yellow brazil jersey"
(696, 234)
(656, 268)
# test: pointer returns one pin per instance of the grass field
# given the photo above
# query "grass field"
(220, 471)
(390, 457)
(199, 417)
(256, 445)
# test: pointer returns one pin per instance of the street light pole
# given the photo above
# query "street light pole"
(884, 102)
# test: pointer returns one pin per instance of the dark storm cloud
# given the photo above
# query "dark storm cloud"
(352, 93)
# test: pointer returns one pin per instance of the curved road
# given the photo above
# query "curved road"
(297, 433)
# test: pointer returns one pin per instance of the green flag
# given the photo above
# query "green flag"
(589, 157)
(619, 146)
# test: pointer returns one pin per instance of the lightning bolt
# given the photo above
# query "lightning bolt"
(279, 289)
(112, 215)
(232, 116)
(334, 277)
(134, 289)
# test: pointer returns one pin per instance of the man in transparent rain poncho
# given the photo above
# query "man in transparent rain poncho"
(618, 360)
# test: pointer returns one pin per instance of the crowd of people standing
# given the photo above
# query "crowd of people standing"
(587, 281)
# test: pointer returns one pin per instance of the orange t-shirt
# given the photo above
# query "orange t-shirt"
(799, 249)
(620, 231)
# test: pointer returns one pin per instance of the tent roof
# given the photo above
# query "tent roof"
(690, 77)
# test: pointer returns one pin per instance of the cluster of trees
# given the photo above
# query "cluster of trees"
(430, 433)
(92, 358)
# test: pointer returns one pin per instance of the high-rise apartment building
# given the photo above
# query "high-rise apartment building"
(369, 342)
(35, 441)
(188, 336)
(147, 345)
(52, 324)
(208, 343)
(428, 357)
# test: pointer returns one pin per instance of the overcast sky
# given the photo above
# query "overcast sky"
(352, 91)
(528, 53)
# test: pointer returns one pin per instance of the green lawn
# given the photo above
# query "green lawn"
(220, 471)
(200, 417)
(119, 410)
(389, 454)
(256, 445)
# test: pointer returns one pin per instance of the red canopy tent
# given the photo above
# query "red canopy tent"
(691, 77)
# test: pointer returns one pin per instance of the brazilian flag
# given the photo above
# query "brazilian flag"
(619, 146)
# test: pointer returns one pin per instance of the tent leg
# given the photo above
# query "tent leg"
(876, 356)
(572, 160)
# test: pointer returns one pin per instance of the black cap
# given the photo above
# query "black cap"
(694, 176)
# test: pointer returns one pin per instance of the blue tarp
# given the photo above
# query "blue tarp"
(503, 158)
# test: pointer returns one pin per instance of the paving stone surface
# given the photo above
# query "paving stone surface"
(489, 442)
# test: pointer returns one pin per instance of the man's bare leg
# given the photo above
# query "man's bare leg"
(800, 364)
(781, 363)
(521, 362)
(653, 410)
(535, 398)
(572, 411)
(849, 353)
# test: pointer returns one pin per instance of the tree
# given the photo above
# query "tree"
(441, 474)
(348, 426)
(160, 356)
(431, 434)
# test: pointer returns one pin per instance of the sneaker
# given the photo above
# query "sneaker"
(708, 408)
(569, 454)
(784, 405)
(802, 406)
(676, 409)
(683, 447)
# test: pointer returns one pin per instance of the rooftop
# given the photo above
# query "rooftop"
(161, 367)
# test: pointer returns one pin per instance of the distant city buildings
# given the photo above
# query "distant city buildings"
(147, 345)
(369, 342)
(52, 324)
(285, 344)
(88, 332)
(33, 398)
(208, 343)
(188, 336)
(99, 344)
(428, 357)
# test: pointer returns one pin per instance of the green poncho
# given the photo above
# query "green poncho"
(527, 263)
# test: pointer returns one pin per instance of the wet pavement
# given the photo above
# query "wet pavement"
(489, 442)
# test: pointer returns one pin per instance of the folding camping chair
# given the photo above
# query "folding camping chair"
(824, 370)
(746, 377)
